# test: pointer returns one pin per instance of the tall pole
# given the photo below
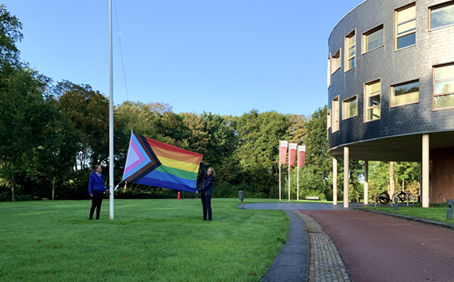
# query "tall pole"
(280, 189)
(289, 176)
(298, 183)
(111, 117)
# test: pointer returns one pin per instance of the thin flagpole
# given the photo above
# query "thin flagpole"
(111, 117)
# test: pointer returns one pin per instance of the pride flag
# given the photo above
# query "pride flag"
(153, 163)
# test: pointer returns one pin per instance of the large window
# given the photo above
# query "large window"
(441, 15)
(350, 108)
(372, 100)
(350, 51)
(405, 19)
(444, 87)
(335, 61)
(329, 71)
(373, 39)
(335, 111)
(406, 93)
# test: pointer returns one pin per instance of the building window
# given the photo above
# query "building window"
(350, 51)
(373, 39)
(329, 71)
(335, 62)
(405, 26)
(443, 87)
(372, 100)
(441, 15)
(335, 111)
(403, 94)
(350, 107)
(328, 120)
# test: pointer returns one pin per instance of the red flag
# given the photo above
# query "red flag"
(282, 151)
(301, 155)
(292, 153)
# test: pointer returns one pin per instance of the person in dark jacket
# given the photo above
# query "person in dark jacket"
(206, 190)
(96, 190)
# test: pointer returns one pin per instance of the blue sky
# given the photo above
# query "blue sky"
(221, 56)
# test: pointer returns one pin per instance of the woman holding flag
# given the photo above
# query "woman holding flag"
(96, 190)
(206, 191)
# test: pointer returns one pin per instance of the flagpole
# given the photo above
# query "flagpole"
(111, 117)
(280, 189)
(289, 174)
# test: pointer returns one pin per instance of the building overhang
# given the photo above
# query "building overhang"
(406, 148)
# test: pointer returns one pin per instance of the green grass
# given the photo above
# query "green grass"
(433, 213)
(149, 240)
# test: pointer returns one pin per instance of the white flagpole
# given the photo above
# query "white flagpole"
(111, 117)
(289, 173)
(280, 189)
(298, 178)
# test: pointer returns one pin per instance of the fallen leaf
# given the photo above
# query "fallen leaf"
(122, 244)
(263, 256)
(127, 258)
(39, 241)
(423, 244)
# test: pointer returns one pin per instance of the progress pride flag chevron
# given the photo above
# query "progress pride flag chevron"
(283, 151)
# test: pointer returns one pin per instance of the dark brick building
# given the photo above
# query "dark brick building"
(391, 88)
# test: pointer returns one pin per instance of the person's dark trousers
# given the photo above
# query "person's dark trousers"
(206, 204)
(96, 203)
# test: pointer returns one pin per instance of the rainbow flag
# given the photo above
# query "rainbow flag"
(153, 163)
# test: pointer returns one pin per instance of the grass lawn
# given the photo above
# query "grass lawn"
(149, 240)
(433, 213)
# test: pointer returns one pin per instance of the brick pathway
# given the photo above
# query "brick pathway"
(325, 263)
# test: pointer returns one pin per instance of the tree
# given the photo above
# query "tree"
(88, 113)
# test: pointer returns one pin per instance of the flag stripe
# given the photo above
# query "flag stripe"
(178, 172)
(179, 164)
(158, 175)
(160, 152)
(165, 184)
(154, 143)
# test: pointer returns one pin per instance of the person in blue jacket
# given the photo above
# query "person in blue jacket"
(206, 190)
(96, 190)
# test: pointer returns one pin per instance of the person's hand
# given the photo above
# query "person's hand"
(197, 192)
(91, 195)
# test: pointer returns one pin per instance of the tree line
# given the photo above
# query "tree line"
(53, 133)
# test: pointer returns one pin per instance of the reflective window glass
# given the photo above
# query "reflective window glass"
(442, 16)
(405, 94)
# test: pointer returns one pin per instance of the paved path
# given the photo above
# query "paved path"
(309, 254)
(383, 248)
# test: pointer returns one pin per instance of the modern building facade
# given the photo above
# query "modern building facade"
(391, 88)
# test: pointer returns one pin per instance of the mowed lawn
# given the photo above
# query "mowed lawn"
(149, 240)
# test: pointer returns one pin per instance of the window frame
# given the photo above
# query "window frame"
(396, 24)
(338, 60)
(438, 6)
(369, 32)
(391, 96)
(344, 107)
(329, 71)
(347, 47)
(433, 87)
(366, 96)
(335, 104)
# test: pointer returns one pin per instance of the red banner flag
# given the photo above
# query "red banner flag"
(292, 153)
(301, 155)
(282, 151)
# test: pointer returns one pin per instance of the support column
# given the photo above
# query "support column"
(346, 174)
(425, 171)
(334, 181)
(366, 182)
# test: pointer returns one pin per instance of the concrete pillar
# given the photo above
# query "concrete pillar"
(346, 174)
(425, 170)
(366, 182)
(334, 181)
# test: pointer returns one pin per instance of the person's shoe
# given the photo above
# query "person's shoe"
(90, 219)
(210, 219)
(204, 219)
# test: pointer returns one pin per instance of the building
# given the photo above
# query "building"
(391, 89)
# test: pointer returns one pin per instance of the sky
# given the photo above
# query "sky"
(226, 57)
